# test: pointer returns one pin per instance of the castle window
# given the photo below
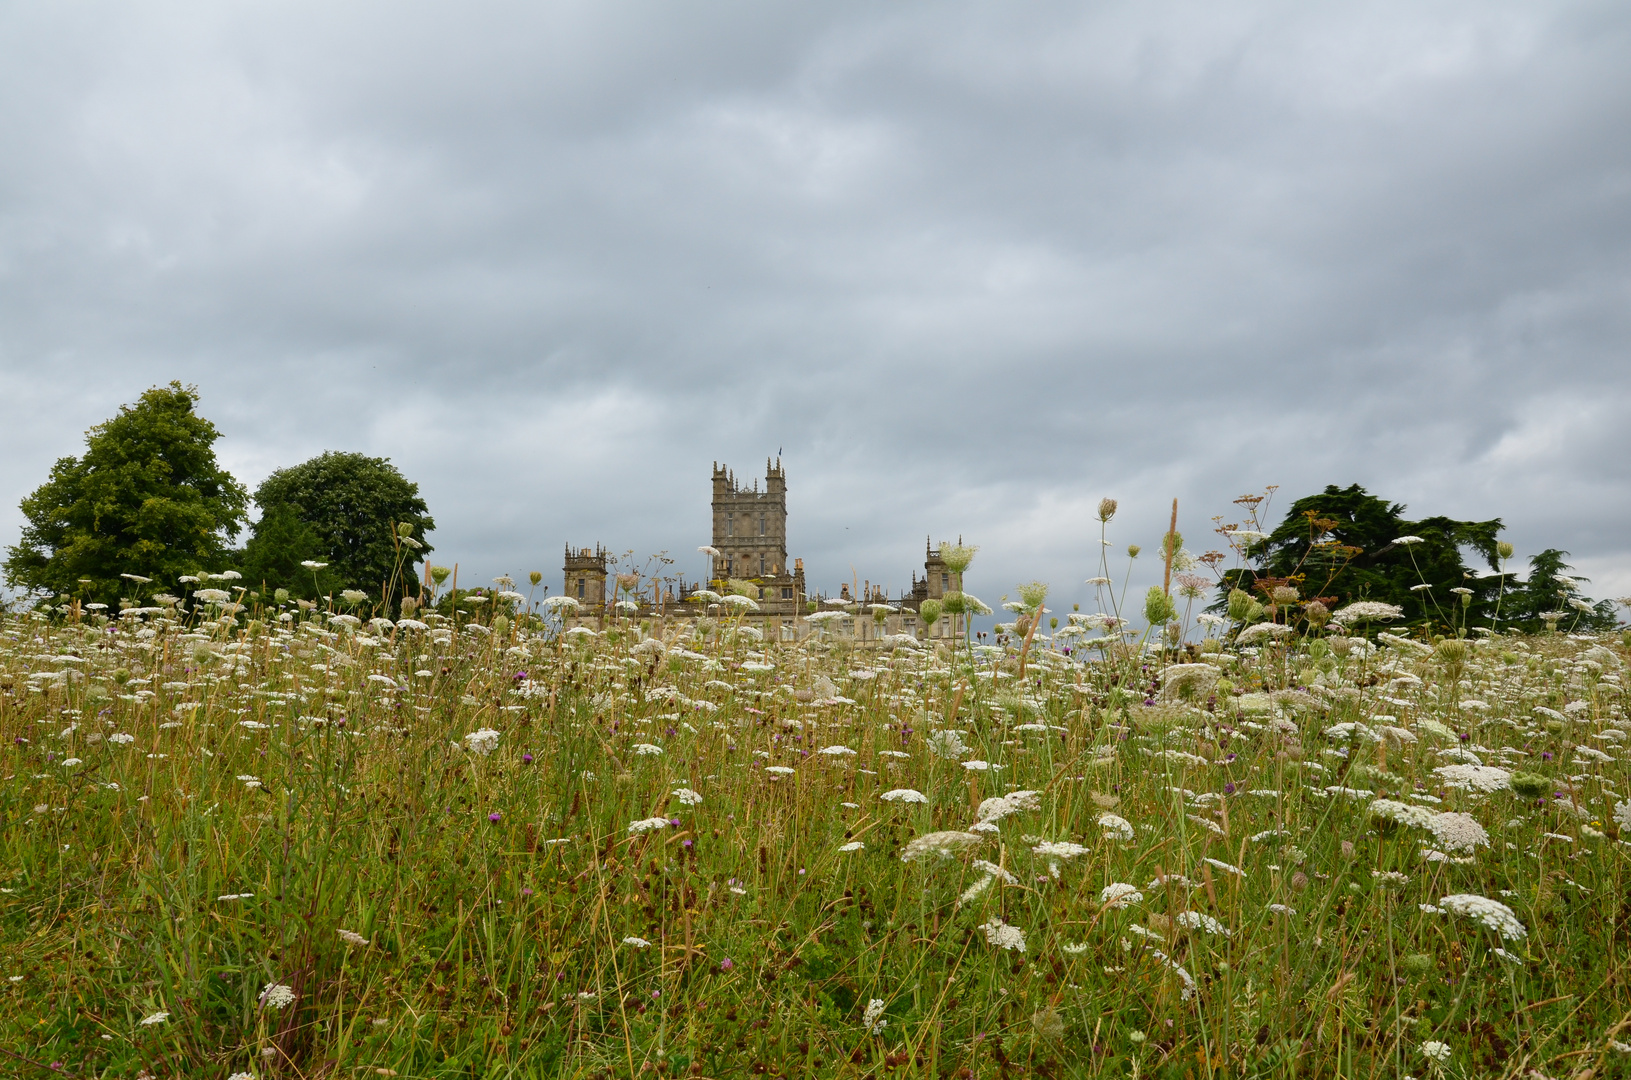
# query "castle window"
(761, 524)
(580, 588)
(787, 592)
(730, 524)
(945, 582)
(761, 557)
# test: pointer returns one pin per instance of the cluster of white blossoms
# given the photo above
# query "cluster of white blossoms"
(686, 796)
(1492, 913)
(1408, 814)
(1196, 920)
(1120, 894)
(997, 807)
(482, 742)
(1003, 936)
(1116, 827)
(1482, 778)
(943, 845)
(1365, 611)
(905, 795)
(275, 995)
(873, 1019)
(648, 824)
(1458, 832)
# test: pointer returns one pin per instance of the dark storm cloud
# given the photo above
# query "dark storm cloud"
(971, 267)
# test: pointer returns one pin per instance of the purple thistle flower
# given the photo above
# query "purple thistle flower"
(726, 964)
(494, 816)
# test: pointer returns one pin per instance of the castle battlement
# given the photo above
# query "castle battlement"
(750, 538)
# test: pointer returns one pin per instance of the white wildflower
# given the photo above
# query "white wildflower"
(648, 824)
(482, 742)
(942, 845)
(687, 796)
(1120, 894)
(1196, 920)
(1483, 778)
(1003, 936)
(276, 995)
(905, 795)
(873, 1019)
(1458, 832)
(1492, 913)
(1116, 827)
(1416, 817)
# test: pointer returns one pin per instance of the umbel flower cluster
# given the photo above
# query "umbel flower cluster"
(346, 843)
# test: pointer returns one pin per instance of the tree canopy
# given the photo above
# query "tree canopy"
(342, 509)
(146, 499)
(1552, 590)
(1346, 544)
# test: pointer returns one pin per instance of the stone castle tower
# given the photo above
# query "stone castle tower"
(586, 576)
(750, 526)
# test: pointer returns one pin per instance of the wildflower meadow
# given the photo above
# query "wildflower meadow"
(257, 839)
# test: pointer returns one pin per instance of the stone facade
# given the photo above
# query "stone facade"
(750, 550)
(586, 576)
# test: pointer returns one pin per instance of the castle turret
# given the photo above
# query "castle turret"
(936, 576)
(750, 526)
(586, 576)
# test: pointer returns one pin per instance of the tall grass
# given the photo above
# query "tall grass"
(283, 783)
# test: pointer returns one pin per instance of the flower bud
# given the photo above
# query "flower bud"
(1107, 509)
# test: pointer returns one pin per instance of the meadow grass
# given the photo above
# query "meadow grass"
(308, 849)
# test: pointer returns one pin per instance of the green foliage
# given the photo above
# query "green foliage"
(351, 504)
(1342, 545)
(1525, 604)
(447, 906)
(280, 542)
(147, 498)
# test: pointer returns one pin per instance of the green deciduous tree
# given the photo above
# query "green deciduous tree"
(147, 498)
(341, 509)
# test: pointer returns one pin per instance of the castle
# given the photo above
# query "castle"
(749, 551)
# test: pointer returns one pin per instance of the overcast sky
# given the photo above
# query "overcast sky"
(969, 267)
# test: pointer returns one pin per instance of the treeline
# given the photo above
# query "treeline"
(1346, 545)
(147, 508)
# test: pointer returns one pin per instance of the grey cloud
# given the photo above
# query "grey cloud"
(970, 266)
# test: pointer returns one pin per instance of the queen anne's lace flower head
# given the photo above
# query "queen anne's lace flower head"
(1116, 827)
(1492, 913)
(1003, 936)
(942, 845)
(482, 742)
(1481, 778)
(1458, 832)
(277, 995)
